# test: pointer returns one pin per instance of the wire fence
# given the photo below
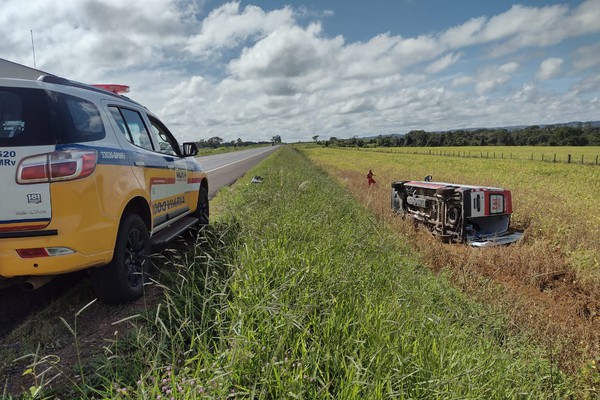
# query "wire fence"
(584, 159)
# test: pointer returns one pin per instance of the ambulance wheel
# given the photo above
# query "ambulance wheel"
(452, 216)
(122, 280)
(203, 210)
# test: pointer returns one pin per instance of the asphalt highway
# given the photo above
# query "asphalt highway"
(224, 169)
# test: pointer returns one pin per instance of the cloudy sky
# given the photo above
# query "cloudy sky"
(255, 69)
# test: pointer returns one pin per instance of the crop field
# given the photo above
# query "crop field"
(548, 283)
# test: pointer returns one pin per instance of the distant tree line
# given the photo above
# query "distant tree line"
(215, 142)
(583, 134)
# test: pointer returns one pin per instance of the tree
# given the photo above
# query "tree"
(276, 139)
(315, 138)
(384, 141)
(214, 142)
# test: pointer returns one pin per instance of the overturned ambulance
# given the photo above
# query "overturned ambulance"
(476, 215)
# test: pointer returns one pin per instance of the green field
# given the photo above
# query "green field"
(550, 282)
(555, 203)
(298, 291)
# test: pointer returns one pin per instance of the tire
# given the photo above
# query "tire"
(122, 280)
(453, 216)
(203, 209)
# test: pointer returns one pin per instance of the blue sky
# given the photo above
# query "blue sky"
(255, 69)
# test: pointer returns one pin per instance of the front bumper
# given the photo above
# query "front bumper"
(495, 240)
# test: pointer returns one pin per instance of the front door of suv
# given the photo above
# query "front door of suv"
(157, 170)
(186, 178)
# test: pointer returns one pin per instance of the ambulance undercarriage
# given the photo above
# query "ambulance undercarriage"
(476, 215)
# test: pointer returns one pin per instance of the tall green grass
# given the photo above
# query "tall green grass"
(297, 292)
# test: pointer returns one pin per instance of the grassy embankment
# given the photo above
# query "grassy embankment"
(296, 291)
(550, 282)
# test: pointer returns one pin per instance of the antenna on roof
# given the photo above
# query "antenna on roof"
(33, 49)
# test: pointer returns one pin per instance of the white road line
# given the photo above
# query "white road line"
(235, 162)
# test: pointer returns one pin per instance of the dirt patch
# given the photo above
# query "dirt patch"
(17, 304)
(96, 328)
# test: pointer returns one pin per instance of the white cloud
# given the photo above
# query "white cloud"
(462, 80)
(587, 57)
(494, 76)
(442, 63)
(227, 27)
(414, 50)
(590, 84)
(252, 72)
(549, 68)
(528, 94)
(584, 19)
(73, 38)
(287, 52)
(488, 78)
(522, 26)
(508, 68)
(465, 34)
(370, 59)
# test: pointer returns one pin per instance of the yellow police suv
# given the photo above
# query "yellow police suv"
(90, 180)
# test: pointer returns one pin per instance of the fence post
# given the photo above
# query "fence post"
(596, 159)
(568, 159)
(542, 156)
(554, 158)
(532, 156)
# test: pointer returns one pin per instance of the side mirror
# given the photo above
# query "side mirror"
(190, 149)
